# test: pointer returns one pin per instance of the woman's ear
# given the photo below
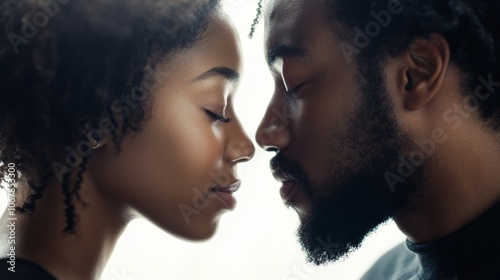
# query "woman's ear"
(95, 136)
(422, 70)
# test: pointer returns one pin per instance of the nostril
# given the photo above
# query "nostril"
(272, 149)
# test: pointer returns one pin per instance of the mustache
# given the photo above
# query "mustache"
(292, 169)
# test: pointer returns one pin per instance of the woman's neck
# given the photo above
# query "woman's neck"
(83, 255)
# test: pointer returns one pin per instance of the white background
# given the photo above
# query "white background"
(255, 242)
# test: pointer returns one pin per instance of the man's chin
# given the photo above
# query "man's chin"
(322, 250)
(332, 230)
(319, 247)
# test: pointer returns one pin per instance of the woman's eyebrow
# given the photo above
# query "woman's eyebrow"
(224, 72)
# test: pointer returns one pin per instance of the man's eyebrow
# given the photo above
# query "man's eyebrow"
(282, 51)
(224, 72)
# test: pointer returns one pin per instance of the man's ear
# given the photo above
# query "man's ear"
(422, 70)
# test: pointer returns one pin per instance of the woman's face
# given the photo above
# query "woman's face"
(179, 170)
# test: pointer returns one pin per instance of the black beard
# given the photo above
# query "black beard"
(355, 198)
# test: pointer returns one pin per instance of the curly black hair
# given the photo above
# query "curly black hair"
(68, 67)
(469, 26)
(256, 19)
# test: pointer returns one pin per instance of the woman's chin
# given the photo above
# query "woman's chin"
(196, 233)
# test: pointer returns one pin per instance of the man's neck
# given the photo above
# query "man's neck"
(463, 183)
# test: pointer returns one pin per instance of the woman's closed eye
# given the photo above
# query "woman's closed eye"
(216, 117)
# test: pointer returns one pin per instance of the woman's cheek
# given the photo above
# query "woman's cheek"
(176, 155)
(199, 148)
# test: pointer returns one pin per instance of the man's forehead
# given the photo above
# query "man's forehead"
(289, 20)
(283, 9)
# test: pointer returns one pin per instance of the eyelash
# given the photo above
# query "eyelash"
(216, 117)
(293, 92)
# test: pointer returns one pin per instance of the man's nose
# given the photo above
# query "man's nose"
(273, 133)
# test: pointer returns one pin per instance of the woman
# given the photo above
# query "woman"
(110, 110)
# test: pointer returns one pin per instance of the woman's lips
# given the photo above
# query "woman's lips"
(227, 199)
(225, 194)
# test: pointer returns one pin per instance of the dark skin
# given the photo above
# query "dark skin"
(164, 165)
(422, 85)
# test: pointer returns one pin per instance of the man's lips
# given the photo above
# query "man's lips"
(287, 190)
(280, 177)
(289, 184)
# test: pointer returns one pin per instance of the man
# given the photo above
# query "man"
(389, 109)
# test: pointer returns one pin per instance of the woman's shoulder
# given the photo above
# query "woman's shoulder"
(22, 269)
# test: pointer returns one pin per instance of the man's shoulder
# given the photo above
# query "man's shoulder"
(398, 263)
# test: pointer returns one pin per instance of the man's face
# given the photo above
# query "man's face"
(334, 131)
